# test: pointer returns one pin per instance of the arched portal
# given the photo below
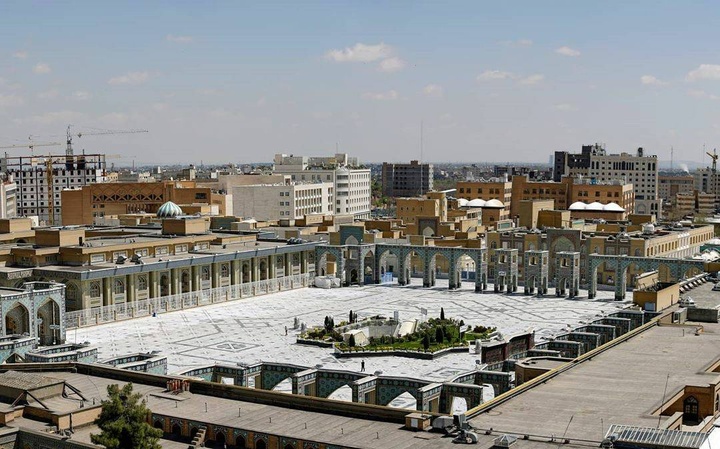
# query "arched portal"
(263, 270)
(17, 320)
(369, 268)
(389, 266)
(404, 400)
(164, 285)
(176, 431)
(185, 282)
(48, 323)
(414, 266)
(327, 265)
(245, 273)
(240, 442)
(441, 267)
(219, 440)
(260, 444)
(285, 386)
(343, 393)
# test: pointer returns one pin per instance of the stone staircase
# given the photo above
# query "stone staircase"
(199, 439)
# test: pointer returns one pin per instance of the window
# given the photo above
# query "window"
(142, 283)
(224, 270)
(71, 292)
(94, 289)
(205, 273)
(118, 287)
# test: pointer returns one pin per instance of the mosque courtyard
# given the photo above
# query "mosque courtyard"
(253, 329)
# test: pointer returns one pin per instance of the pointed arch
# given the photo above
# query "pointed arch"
(17, 320)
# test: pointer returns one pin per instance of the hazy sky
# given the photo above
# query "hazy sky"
(240, 81)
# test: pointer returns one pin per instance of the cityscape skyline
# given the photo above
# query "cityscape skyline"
(240, 81)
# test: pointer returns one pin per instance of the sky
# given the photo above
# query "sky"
(237, 82)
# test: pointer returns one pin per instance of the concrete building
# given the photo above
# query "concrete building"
(34, 194)
(406, 180)
(433, 204)
(351, 182)
(596, 164)
(85, 205)
(564, 193)
(283, 201)
(8, 198)
(572, 190)
(500, 189)
(669, 186)
(695, 202)
(707, 180)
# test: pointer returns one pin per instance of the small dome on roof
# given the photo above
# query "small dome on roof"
(462, 202)
(494, 203)
(476, 203)
(577, 205)
(594, 206)
(169, 210)
(613, 207)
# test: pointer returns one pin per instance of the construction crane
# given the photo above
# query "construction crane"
(714, 157)
(32, 145)
(99, 132)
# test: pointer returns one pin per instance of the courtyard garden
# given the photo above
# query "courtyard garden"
(378, 334)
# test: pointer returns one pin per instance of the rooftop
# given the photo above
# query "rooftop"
(592, 392)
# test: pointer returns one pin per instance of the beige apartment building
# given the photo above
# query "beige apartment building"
(283, 201)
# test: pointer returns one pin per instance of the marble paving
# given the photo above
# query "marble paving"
(253, 329)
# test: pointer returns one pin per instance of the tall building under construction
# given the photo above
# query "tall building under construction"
(40, 179)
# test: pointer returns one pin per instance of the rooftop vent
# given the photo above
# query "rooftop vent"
(505, 441)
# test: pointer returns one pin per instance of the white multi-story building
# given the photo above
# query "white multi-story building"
(8, 198)
(283, 201)
(637, 169)
(350, 181)
(35, 196)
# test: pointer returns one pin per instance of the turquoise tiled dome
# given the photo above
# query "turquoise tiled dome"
(169, 210)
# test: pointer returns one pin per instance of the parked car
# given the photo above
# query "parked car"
(716, 287)
(687, 302)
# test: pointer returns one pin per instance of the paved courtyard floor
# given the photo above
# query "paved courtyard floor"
(253, 329)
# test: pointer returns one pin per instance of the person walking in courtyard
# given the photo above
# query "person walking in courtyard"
(286, 331)
(362, 366)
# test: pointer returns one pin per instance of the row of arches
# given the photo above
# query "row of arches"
(219, 438)
(403, 399)
(364, 267)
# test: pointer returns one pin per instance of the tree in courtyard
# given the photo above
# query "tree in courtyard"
(442, 314)
(351, 341)
(123, 421)
(439, 334)
(426, 342)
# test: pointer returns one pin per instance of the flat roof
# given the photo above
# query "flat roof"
(26, 381)
(623, 385)
(284, 421)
